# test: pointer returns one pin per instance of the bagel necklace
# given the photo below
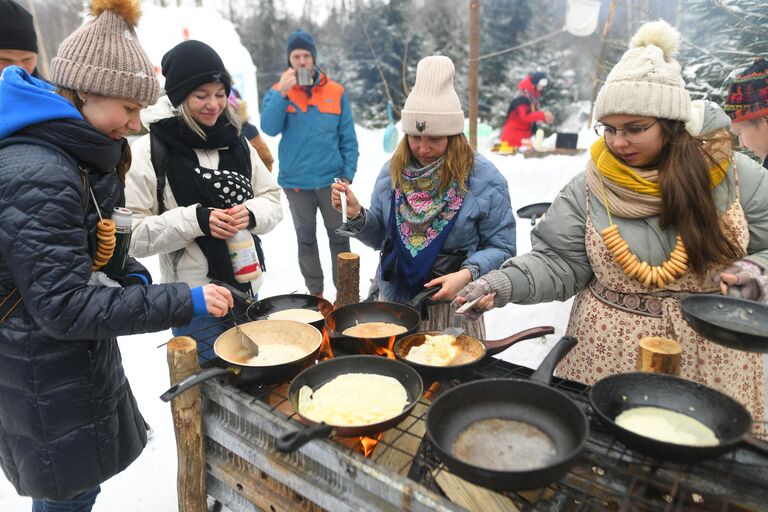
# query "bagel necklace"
(105, 237)
(661, 275)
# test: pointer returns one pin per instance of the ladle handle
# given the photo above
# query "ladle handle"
(547, 367)
(493, 347)
(292, 441)
(187, 382)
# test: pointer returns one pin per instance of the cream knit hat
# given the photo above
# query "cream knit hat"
(433, 107)
(104, 56)
(647, 81)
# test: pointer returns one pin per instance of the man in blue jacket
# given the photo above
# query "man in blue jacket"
(318, 144)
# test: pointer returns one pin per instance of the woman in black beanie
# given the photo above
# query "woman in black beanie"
(212, 182)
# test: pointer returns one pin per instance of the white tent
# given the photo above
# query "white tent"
(162, 28)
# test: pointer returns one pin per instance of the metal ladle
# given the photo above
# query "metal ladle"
(245, 340)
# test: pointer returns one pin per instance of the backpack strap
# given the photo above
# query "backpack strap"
(157, 153)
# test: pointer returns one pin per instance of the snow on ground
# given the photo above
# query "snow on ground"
(149, 484)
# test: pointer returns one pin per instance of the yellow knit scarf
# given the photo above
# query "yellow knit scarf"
(625, 176)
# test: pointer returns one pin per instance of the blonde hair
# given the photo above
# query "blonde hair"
(186, 116)
(459, 161)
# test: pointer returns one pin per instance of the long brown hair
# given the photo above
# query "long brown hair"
(459, 161)
(125, 161)
(687, 201)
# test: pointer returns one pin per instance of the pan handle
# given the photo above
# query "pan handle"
(292, 441)
(547, 367)
(417, 302)
(192, 380)
(756, 444)
(239, 295)
(497, 346)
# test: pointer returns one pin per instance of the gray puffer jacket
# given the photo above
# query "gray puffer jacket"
(558, 266)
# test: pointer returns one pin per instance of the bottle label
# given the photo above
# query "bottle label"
(244, 260)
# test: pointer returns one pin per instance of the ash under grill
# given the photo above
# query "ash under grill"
(245, 471)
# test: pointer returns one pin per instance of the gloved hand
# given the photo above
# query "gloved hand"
(475, 290)
(744, 279)
(100, 279)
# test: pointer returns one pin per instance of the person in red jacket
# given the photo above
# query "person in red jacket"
(524, 111)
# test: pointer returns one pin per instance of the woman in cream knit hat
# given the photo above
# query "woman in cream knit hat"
(659, 213)
(69, 419)
(439, 213)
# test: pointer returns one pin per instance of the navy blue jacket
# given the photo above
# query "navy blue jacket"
(68, 419)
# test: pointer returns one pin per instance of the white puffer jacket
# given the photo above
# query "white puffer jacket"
(172, 234)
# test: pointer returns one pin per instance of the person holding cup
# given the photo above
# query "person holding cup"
(318, 145)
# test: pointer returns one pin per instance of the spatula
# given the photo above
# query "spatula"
(247, 343)
(456, 330)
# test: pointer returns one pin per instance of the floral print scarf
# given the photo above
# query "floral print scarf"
(421, 212)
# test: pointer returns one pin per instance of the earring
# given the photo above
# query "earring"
(82, 100)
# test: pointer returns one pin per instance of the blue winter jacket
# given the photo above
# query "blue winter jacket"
(68, 419)
(485, 228)
(318, 140)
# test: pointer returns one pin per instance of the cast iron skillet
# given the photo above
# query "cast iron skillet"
(406, 315)
(229, 355)
(532, 402)
(261, 309)
(324, 372)
(471, 350)
(533, 211)
(728, 419)
(733, 322)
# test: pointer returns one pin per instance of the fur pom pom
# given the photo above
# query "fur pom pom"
(129, 10)
(658, 33)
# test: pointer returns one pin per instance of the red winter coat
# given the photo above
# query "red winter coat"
(522, 113)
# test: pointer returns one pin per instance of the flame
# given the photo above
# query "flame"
(368, 444)
(326, 352)
(388, 351)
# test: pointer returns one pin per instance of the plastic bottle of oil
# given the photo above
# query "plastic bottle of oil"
(243, 256)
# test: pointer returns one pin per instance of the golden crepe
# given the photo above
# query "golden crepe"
(668, 426)
(275, 353)
(306, 316)
(354, 400)
(374, 330)
(438, 350)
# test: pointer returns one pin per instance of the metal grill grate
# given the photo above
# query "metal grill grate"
(607, 476)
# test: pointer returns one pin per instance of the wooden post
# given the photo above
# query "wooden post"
(474, 50)
(659, 355)
(188, 427)
(348, 286)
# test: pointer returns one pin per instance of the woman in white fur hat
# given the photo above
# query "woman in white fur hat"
(440, 213)
(659, 212)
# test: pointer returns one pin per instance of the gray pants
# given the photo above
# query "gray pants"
(304, 205)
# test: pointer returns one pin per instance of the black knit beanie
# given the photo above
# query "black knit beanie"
(301, 40)
(189, 65)
(17, 31)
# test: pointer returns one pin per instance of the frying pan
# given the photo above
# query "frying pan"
(406, 315)
(261, 309)
(533, 211)
(730, 321)
(471, 350)
(728, 419)
(460, 412)
(324, 372)
(230, 355)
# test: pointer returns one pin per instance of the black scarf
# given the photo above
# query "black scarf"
(191, 183)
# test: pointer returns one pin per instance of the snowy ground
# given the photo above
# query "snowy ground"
(149, 484)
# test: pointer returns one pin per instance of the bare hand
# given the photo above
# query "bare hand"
(549, 118)
(353, 205)
(240, 215)
(287, 81)
(222, 224)
(218, 300)
(451, 284)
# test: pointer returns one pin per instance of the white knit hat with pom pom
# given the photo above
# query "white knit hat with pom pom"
(646, 81)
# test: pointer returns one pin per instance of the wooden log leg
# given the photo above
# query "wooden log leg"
(348, 286)
(659, 355)
(188, 427)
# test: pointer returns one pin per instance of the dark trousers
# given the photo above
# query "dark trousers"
(83, 502)
(304, 205)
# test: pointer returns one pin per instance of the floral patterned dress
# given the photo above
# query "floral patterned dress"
(614, 312)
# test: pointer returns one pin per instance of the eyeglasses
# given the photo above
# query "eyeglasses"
(631, 133)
